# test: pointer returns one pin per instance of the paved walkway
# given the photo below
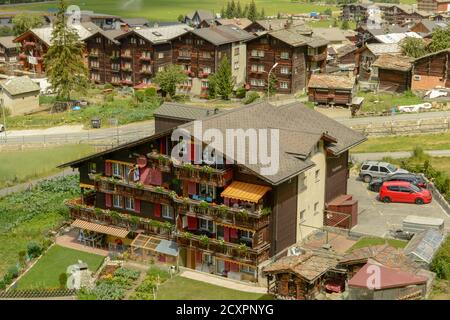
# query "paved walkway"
(222, 282)
(69, 241)
(360, 157)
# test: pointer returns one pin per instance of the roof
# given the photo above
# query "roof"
(20, 85)
(135, 21)
(151, 243)
(330, 81)
(245, 191)
(396, 37)
(425, 244)
(333, 34)
(389, 277)
(163, 34)
(309, 266)
(393, 62)
(276, 24)
(380, 48)
(431, 25)
(300, 128)
(167, 247)
(108, 34)
(7, 42)
(183, 111)
(219, 35)
(202, 14)
(239, 22)
(346, 49)
(294, 39)
(100, 228)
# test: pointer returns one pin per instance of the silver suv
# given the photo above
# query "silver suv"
(375, 169)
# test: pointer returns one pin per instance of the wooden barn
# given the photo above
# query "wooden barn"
(393, 71)
(431, 71)
(331, 89)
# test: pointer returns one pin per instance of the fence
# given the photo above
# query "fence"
(37, 293)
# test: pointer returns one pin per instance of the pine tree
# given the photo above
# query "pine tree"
(222, 13)
(252, 14)
(222, 80)
(263, 14)
(229, 12)
(233, 9)
(245, 12)
(440, 39)
(64, 59)
(239, 10)
(345, 25)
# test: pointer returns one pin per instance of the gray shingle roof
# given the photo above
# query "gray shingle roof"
(219, 35)
(7, 42)
(294, 39)
(183, 111)
(202, 14)
(163, 34)
(20, 85)
(84, 30)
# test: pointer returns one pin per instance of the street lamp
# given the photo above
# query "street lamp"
(268, 80)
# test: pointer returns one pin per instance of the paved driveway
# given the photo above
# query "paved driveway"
(377, 218)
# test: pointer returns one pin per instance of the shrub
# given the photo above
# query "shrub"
(13, 271)
(127, 273)
(62, 280)
(34, 250)
(108, 86)
(250, 97)
(46, 243)
(441, 261)
(240, 92)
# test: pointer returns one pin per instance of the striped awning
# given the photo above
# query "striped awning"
(245, 191)
(100, 228)
(86, 186)
(233, 226)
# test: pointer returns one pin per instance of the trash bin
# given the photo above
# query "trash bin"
(96, 123)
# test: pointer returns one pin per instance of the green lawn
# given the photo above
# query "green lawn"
(373, 241)
(374, 102)
(180, 288)
(169, 10)
(45, 273)
(440, 141)
(37, 163)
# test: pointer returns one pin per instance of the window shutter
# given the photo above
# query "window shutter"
(226, 233)
(108, 169)
(227, 266)
(234, 267)
(155, 177)
(108, 200)
(192, 223)
(162, 146)
(192, 188)
(198, 256)
(192, 152)
(233, 233)
(157, 210)
(137, 205)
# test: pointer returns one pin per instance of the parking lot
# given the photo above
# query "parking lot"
(377, 218)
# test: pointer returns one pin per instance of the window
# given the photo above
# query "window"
(302, 215)
(236, 51)
(365, 167)
(185, 53)
(206, 70)
(188, 41)
(374, 168)
(98, 40)
(246, 235)
(129, 203)
(316, 208)
(317, 175)
(284, 70)
(207, 191)
(160, 68)
(133, 40)
(284, 85)
(160, 55)
(117, 201)
(247, 269)
(116, 170)
(92, 167)
(206, 225)
(383, 169)
(264, 40)
(236, 65)
(199, 42)
(206, 54)
(257, 82)
(258, 53)
(205, 84)
(393, 188)
(284, 55)
(166, 211)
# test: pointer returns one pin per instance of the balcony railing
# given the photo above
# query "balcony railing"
(126, 55)
(161, 161)
(184, 57)
(78, 210)
(145, 58)
(146, 71)
(240, 253)
(206, 174)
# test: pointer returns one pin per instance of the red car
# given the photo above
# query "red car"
(402, 191)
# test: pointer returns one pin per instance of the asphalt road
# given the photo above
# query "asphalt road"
(360, 157)
(397, 117)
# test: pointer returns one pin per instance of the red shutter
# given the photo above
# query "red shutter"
(137, 205)
(198, 256)
(192, 223)
(108, 200)
(192, 188)
(144, 175)
(233, 233)
(162, 146)
(157, 210)
(227, 266)
(192, 152)
(226, 233)
(108, 169)
(155, 177)
(234, 267)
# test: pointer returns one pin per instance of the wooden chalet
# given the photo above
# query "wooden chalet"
(298, 26)
(226, 219)
(393, 72)
(331, 89)
(431, 71)
(195, 18)
(200, 51)
(367, 55)
(8, 50)
(433, 6)
(297, 57)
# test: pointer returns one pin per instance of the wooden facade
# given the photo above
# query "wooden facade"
(8, 50)
(431, 71)
(331, 89)
(32, 51)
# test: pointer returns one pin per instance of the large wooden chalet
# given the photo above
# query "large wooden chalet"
(227, 219)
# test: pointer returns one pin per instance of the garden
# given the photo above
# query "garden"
(26, 219)
(375, 241)
(379, 102)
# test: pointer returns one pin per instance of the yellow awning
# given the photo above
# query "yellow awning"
(234, 227)
(234, 261)
(86, 186)
(100, 228)
(245, 191)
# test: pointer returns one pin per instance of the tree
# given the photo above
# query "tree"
(239, 10)
(263, 14)
(233, 9)
(222, 80)
(327, 12)
(180, 18)
(223, 14)
(252, 13)
(64, 61)
(245, 12)
(335, 23)
(413, 47)
(6, 31)
(440, 39)
(168, 79)
(272, 84)
(229, 11)
(345, 25)
(23, 22)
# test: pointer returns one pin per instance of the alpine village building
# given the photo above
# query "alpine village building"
(227, 219)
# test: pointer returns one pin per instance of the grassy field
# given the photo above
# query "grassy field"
(45, 273)
(37, 163)
(28, 216)
(385, 101)
(373, 241)
(439, 141)
(180, 288)
(169, 10)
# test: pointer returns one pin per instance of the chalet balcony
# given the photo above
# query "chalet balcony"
(78, 210)
(161, 161)
(256, 57)
(126, 82)
(145, 59)
(220, 248)
(189, 73)
(203, 75)
(146, 71)
(93, 54)
(127, 69)
(126, 55)
(318, 57)
(184, 58)
(29, 44)
(203, 174)
(23, 56)
(114, 57)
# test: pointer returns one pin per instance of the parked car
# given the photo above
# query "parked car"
(402, 191)
(376, 169)
(415, 179)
